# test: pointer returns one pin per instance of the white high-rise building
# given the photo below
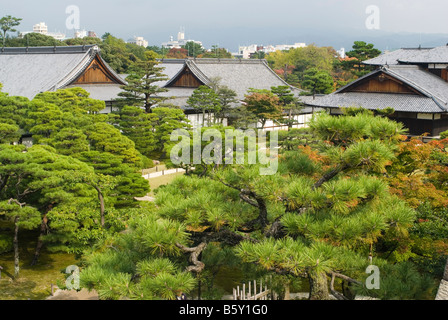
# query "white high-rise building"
(181, 41)
(80, 34)
(245, 51)
(140, 41)
(341, 53)
(42, 28)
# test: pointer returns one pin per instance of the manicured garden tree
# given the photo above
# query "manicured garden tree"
(165, 122)
(317, 82)
(264, 105)
(41, 179)
(16, 168)
(228, 99)
(206, 100)
(337, 207)
(12, 117)
(137, 125)
(290, 104)
(320, 216)
(121, 182)
(325, 216)
(142, 89)
(142, 264)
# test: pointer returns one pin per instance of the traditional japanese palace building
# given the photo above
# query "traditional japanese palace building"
(29, 71)
(240, 75)
(411, 81)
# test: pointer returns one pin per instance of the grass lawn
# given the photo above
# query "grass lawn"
(162, 180)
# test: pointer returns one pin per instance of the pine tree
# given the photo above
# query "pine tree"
(204, 99)
(142, 89)
(137, 125)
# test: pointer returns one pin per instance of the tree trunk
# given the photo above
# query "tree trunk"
(16, 248)
(290, 120)
(3, 185)
(318, 286)
(147, 105)
(40, 242)
(102, 206)
(287, 292)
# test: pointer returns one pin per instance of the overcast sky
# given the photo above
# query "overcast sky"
(230, 23)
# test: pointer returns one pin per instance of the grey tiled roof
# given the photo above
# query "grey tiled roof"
(237, 74)
(442, 293)
(411, 56)
(393, 57)
(435, 55)
(374, 101)
(433, 90)
(29, 71)
(421, 80)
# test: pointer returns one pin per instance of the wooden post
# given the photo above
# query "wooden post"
(255, 288)
(266, 290)
(244, 292)
(238, 292)
(249, 291)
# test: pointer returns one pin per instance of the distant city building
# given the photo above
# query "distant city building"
(181, 41)
(246, 51)
(341, 53)
(79, 34)
(42, 28)
(140, 41)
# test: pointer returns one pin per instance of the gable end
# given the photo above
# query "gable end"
(96, 73)
(381, 83)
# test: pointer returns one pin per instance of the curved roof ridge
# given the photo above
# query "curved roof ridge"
(90, 55)
(197, 72)
(226, 60)
(85, 61)
(176, 75)
(416, 86)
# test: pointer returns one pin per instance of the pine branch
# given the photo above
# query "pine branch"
(336, 294)
(344, 277)
(197, 266)
(257, 202)
(330, 175)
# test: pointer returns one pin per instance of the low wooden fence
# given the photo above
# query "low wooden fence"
(253, 291)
